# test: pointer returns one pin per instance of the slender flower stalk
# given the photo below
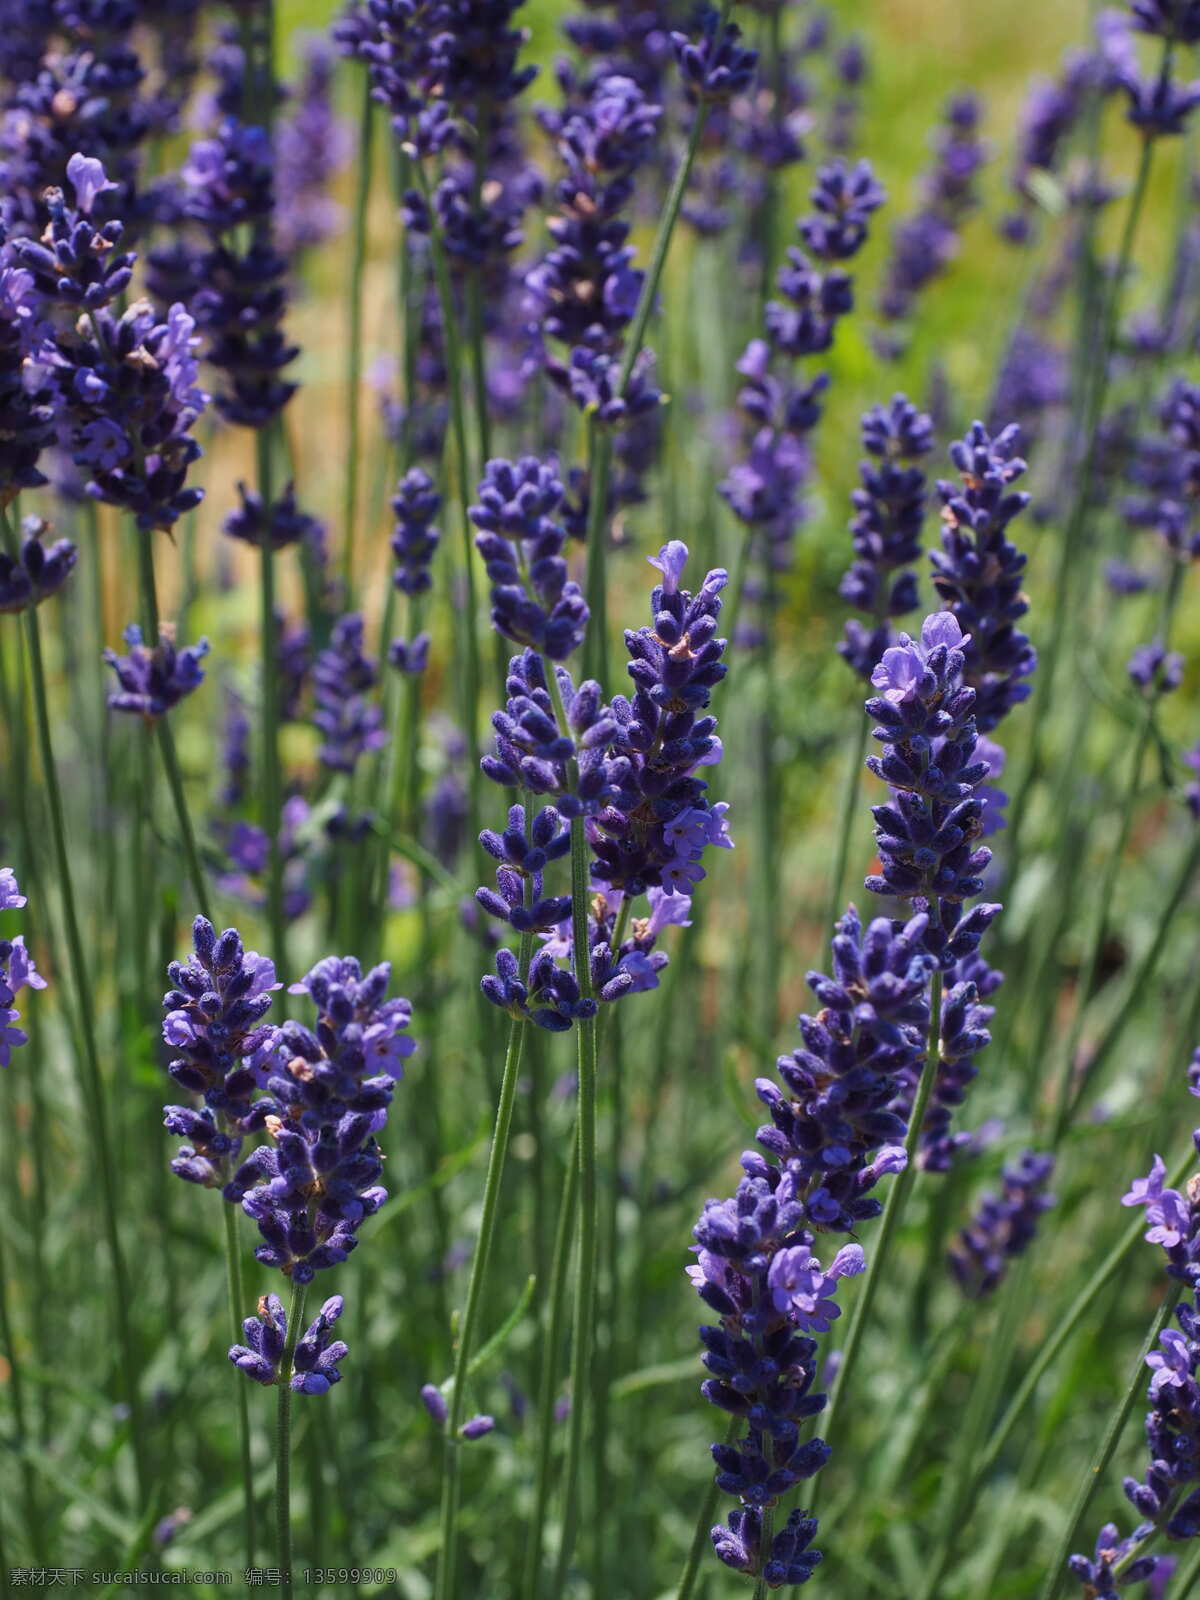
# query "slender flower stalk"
(447, 1567)
(93, 1089)
(283, 1444)
(354, 333)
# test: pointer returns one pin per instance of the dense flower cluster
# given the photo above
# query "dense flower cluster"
(534, 602)
(585, 290)
(978, 570)
(122, 391)
(320, 1096)
(284, 524)
(214, 1024)
(629, 769)
(926, 835)
(17, 971)
(26, 412)
(830, 1139)
(1004, 1226)
(1166, 471)
(312, 1186)
(237, 277)
(74, 84)
(654, 832)
(963, 1035)
(889, 512)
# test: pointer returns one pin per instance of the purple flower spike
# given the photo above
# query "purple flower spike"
(926, 836)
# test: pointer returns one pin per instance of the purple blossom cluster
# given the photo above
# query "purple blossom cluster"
(120, 393)
(978, 571)
(534, 602)
(927, 833)
(75, 84)
(629, 769)
(235, 276)
(320, 1096)
(830, 1139)
(584, 291)
(315, 1358)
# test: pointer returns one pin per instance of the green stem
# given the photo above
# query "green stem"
(1188, 1575)
(548, 1376)
(1063, 1098)
(768, 1532)
(1135, 1388)
(662, 242)
(446, 1588)
(16, 1387)
(233, 1280)
(893, 1209)
(191, 854)
(989, 1378)
(93, 1082)
(283, 1444)
(585, 1281)
(272, 803)
(600, 452)
(846, 826)
(454, 368)
(354, 333)
(475, 290)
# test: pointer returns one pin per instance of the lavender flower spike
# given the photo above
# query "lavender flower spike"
(926, 835)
